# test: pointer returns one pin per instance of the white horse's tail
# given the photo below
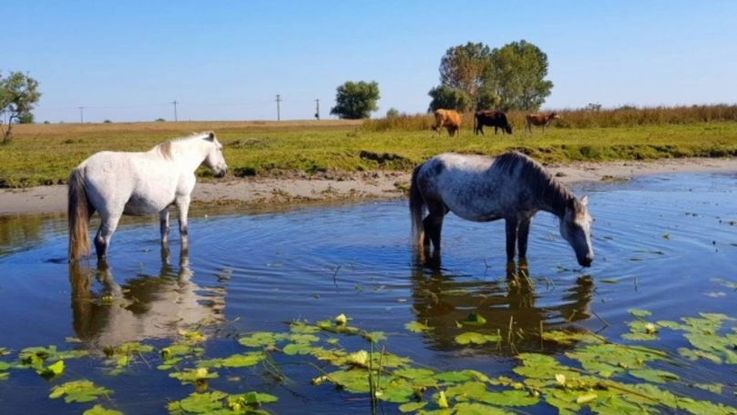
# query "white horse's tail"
(416, 209)
(78, 213)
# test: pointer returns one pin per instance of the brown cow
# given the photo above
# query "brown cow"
(540, 120)
(450, 119)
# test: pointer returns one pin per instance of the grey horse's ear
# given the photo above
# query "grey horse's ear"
(210, 136)
(585, 200)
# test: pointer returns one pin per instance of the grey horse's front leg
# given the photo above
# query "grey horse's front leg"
(511, 228)
(523, 231)
(182, 203)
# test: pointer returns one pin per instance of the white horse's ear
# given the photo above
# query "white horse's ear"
(210, 136)
(585, 200)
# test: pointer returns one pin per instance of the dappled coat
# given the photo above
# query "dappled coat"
(448, 119)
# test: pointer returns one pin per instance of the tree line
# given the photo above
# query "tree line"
(472, 76)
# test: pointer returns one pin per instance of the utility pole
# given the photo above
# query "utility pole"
(317, 109)
(81, 115)
(278, 109)
(175, 110)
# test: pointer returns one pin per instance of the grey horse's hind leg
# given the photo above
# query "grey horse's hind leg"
(523, 231)
(511, 228)
(433, 224)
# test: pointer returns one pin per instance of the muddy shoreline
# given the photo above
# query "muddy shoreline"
(274, 193)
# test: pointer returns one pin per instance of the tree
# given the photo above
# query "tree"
(517, 76)
(465, 67)
(512, 77)
(449, 98)
(18, 95)
(355, 100)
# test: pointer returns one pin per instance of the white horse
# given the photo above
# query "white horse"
(117, 183)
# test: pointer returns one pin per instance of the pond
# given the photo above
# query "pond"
(664, 283)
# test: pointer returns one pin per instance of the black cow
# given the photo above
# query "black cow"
(496, 119)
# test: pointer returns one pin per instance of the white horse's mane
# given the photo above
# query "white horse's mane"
(165, 148)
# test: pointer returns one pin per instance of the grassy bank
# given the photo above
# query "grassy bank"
(44, 154)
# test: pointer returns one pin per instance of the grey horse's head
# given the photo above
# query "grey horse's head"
(575, 227)
(215, 160)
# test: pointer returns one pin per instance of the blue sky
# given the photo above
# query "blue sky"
(227, 60)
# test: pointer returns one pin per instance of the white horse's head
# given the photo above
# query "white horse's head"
(575, 227)
(214, 159)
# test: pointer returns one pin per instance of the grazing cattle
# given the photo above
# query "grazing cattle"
(540, 120)
(496, 119)
(448, 119)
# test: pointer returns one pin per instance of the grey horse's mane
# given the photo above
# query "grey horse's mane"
(539, 180)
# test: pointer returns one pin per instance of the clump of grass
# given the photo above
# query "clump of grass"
(416, 122)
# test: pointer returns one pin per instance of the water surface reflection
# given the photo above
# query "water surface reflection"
(145, 306)
(509, 306)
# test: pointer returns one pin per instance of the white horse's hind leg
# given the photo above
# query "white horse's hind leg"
(108, 225)
(164, 225)
(182, 203)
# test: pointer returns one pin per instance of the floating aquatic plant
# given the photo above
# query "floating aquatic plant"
(100, 410)
(78, 391)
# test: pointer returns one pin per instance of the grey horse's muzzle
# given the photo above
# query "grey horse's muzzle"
(586, 261)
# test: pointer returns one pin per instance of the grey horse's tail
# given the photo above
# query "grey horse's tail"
(416, 209)
(78, 213)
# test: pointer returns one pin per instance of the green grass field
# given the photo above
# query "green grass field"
(45, 154)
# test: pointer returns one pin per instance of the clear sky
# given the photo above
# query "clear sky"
(227, 60)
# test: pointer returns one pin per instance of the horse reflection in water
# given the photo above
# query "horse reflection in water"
(143, 307)
(441, 301)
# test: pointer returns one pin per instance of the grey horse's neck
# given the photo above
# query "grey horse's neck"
(551, 195)
(555, 199)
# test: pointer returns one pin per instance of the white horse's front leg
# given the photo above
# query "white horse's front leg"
(182, 203)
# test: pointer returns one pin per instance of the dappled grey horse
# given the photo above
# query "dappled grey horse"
(117, 183)
(512, 187)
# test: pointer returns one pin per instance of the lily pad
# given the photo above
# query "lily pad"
(474, 319)
(100, 410)
(193, 375)
(472, 337)
(417, 327)
(78, 391)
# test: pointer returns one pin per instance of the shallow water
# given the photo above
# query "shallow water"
(662, 243)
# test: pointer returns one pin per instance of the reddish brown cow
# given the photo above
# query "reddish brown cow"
(448, 119)
(540, 120)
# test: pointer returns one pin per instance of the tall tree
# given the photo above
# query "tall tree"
(511, 77)
(355, 100)
(517, 76)
(18, 95)
(465, 67)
